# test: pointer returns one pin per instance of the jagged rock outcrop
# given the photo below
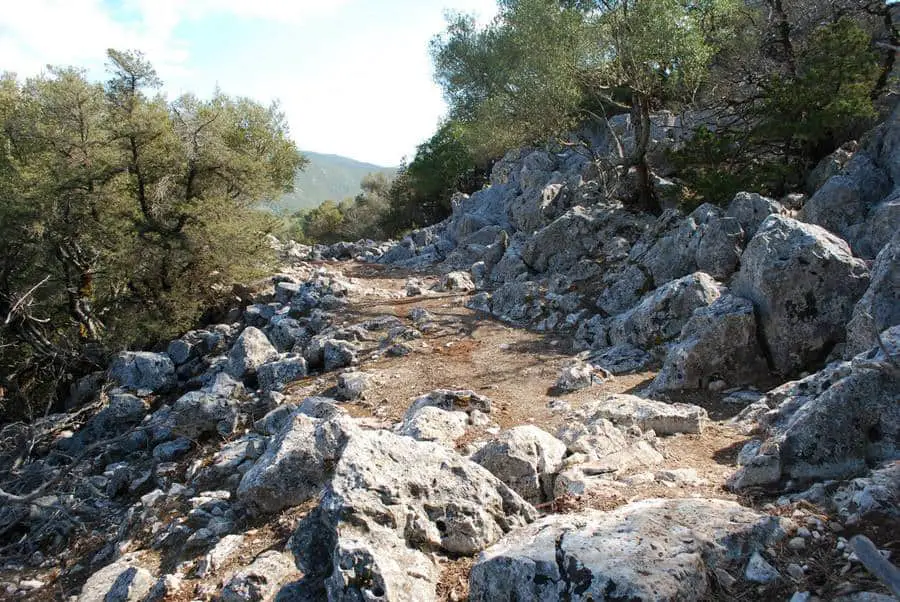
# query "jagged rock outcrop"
(661, 315)
(390, 500)
(719, 342)
(143, 371)
(647, 550)
(879, 307)
(831, 425)
(803, 282)
(526, 458)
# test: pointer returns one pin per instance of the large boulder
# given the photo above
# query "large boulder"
(845, 200)
(751, 210)
(661, 315)
(880, 226)
(251, 350)
(295, 466)
(803, 282)
(273, 375)
(649, 550)
(831, 425)
(434, 424)
(389, 502)
(706, 240)
(879, 307)
(517, 302)
(526, 458)
(198, 413)
(719, 342)
(143, 371)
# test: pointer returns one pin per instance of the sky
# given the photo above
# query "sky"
(354, 77)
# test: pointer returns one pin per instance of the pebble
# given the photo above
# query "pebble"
(804, 533)
(801, 597)
(835, 527)
(795, 571)
(797, 543)
(30, 584)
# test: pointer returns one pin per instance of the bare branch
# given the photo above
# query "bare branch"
(18, 304)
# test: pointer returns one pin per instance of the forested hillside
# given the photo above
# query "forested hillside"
(327, 178)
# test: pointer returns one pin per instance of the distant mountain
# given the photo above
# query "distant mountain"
(328, 177)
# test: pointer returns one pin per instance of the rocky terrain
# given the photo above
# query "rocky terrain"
(545, 397)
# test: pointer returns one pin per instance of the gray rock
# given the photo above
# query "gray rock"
(353, 385)
(803, 283)
(879, 307)
(272, 376)
(880, 226)
(831, 425)
(223, 552)
(172, 450)
(143, 371)
(274, 421)
(647, 550)
(451, 401)
(339, 354)
(621, 359)
(623, 288)
(706, 240)
(760, 571)
(285, 291)
(434, 424)
(198, 413)
(294, 467)
(526, 458)
(386, 490)
(121, 581)
(844, 200)
(261, 580)
(456, 281)
(662, 418)
(580, 375)
(122, 410)
(661, 315)
(259, 315)
(718, 342)
(285, 333)
(251, 350)
(751, 210)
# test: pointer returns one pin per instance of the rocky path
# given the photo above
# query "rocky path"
(230, 505)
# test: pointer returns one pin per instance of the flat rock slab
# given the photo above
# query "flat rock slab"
(649, 550)
(663, 418)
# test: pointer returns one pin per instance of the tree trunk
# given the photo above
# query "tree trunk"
(640, 117)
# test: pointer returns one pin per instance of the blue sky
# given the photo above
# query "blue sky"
(353, 76)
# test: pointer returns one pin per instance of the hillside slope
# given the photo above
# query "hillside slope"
(328, 177)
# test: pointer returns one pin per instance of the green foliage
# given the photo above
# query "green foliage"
(124, 216)
(800, 118)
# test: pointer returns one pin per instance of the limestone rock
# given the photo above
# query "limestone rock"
(751, 210)
(121, 581)
(261, 580)
(251, 350)
(662, 418)
(580, 375)
(143, 371)
(295, 466)
(718, 342)
(647, 550)
(451, 401)
(831, 425)
(803, 282)
(526, 458)
(661, 315)
(388, 489)
(274, 375)
(621, 359)
(879, 307)
(434, 424)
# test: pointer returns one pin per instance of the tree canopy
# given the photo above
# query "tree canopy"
(124, 216)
